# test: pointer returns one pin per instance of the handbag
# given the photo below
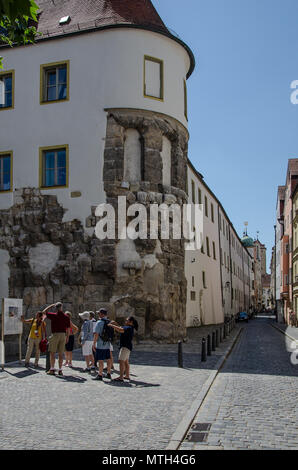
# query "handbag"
(43, 345)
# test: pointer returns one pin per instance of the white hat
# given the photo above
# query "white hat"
(84, 315)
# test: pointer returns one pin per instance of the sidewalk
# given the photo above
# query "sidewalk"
(290, 331)
(78, 413)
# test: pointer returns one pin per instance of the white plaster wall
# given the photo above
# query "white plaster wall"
(208, 303)
(106, 71)
(4, 275)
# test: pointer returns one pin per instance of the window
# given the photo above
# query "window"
(193, 196)
(185, 100)
(206, 206)
(204, 279)
(153, 78)
(212, 212)
(7, 90)
(202, 248)
(53, 167)
(192, 295)
(54, 85)
(207, 245)
(6, 171)
(214, 250)
(192, 281)
(199, 196)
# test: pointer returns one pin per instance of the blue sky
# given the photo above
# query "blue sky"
(243, 126)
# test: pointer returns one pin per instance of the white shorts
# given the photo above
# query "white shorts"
(111, 347)
(124, 354)
(87, 348)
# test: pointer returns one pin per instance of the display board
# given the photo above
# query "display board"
(12, 311)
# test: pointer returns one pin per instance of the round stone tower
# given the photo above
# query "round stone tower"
(122, 122)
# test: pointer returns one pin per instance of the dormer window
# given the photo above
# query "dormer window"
(64, 20)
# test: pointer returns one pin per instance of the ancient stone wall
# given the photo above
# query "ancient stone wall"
(52, 261)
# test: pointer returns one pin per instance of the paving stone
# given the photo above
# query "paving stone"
(256, 393)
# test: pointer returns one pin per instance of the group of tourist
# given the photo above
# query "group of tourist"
(96, 338)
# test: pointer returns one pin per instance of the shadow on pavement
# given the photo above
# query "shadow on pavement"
(132, 384)
(22, 374)
(71, 378)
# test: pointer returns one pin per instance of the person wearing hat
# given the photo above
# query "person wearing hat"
(86, 338)
(102, 346)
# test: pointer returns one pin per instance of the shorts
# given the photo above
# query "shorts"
(102, 354)
(124, 354)
(69, 345)
(87, 348)
(111, 348)
(57, 343)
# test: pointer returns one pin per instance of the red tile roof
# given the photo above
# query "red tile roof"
(88, 14)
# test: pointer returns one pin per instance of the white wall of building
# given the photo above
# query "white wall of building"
(206, 305)
(106, 70)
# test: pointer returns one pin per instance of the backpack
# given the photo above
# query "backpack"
(107, 335)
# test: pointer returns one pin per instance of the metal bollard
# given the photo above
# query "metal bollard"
(224, 331)
(208, 345)
(48, 363)
(204, 352)
(217, 338)
(213, 340)
(180, 354)
(220, 334)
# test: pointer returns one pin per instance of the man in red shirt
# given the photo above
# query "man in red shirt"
(60, 324)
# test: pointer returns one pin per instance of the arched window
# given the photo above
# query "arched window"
(132, 156)
(166, 161)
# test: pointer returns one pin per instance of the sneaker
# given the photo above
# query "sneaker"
(98, 377)
(27, 364)
(87, 369)
(51, 372)
(108, 376)
(60, 372)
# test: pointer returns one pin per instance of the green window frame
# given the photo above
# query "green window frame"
(57, 169)
(161, 78)
(6, 174)
(54, 82)
(7, 82)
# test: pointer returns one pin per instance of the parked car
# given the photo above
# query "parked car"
(242, 316)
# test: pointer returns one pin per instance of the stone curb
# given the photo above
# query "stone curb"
(185, 424)
(286, 334)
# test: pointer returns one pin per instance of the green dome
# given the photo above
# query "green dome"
(247, 241)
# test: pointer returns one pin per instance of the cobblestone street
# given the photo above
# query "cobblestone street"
(252, 404)
(74, 412)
